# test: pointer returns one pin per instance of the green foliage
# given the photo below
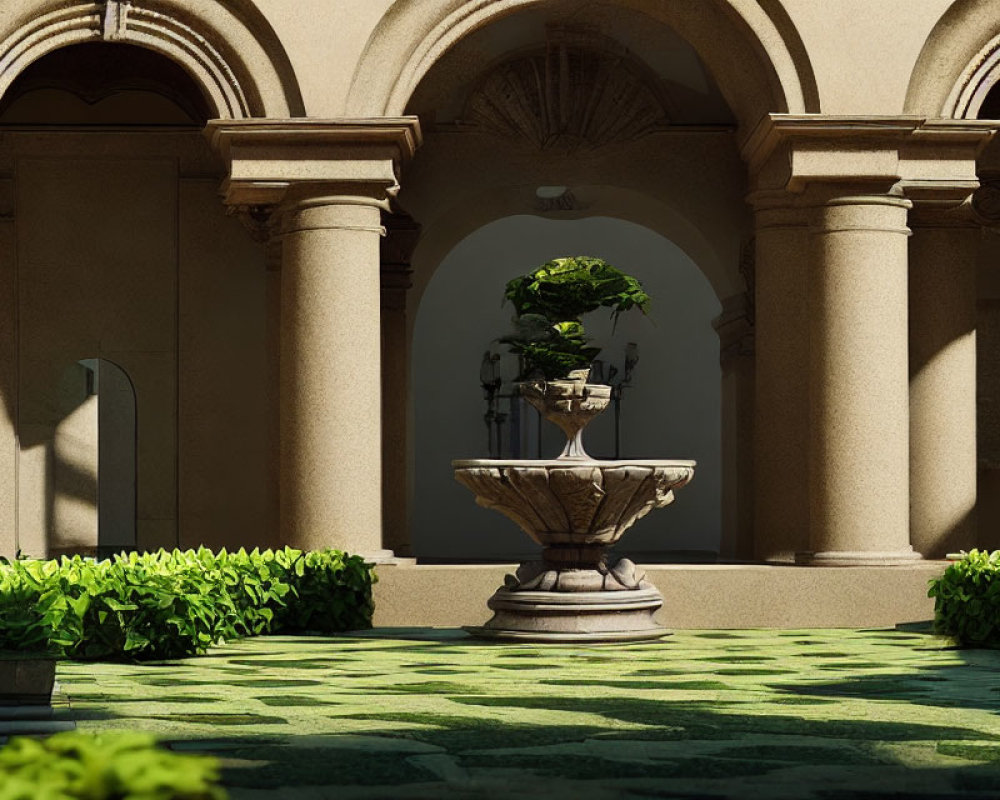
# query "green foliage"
(106, 766)
(549, 302)
(332, 593)
(566, 288)
(967, 600)
(173, 604)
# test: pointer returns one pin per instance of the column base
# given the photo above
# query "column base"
(378, 556)
(858, 558)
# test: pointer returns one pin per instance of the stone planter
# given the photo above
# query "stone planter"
(26, 679)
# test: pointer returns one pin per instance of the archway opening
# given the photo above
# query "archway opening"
(557, 118)
(102, 432)
(671, 408)
(990, 109)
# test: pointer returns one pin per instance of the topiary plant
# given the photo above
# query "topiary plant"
(548, 304)
(967, 600)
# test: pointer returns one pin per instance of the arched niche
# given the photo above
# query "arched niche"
(230, 51)
(90, 499)
(751, 50)
(660, 151)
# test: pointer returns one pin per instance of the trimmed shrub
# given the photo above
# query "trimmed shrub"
(105, 766)
(173, 604)
(332, 592)
(967, 600)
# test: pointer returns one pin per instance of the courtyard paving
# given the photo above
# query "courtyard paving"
(429, 713)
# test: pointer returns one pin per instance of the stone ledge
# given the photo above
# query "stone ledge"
(695, 595)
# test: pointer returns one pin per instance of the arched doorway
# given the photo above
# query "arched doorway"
(93, 473)
(623, 112)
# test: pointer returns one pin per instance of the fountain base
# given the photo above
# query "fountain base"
(572, 605)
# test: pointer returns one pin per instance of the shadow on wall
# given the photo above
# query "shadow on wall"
(672, 409)
(85, 458)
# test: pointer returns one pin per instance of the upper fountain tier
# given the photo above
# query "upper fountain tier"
(570, 404)
(572, 499)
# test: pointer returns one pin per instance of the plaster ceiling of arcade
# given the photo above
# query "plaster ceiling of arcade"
(652, 52)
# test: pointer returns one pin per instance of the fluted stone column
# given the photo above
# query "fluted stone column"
(330, 385)
(943, 260)
(859, 381)
(781, 453)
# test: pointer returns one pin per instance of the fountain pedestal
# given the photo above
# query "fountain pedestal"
(576, 507)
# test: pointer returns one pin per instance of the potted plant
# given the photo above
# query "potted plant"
(26, 678)
(27, 660)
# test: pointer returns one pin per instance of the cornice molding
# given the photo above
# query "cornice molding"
(266, 157)
(776, 129)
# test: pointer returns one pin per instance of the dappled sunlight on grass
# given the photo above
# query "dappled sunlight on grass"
(820, 714)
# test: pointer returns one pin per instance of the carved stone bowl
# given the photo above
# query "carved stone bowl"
(564, 503)
(569, 404)
(576, 509)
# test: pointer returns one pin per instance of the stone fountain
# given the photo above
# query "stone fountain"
(575, 507)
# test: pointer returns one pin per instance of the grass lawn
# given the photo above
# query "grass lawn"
(425, 713)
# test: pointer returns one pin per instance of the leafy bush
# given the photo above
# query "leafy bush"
(173, 604)
(333, 592)
(967, 600)
(548, 304)
(106, 766)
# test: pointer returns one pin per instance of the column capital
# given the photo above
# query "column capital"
(271, 161)
(921, 157)
(402, 233)
(396, 251)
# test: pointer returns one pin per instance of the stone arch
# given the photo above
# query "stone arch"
(729, 35)
(231, 52)
(958, 64)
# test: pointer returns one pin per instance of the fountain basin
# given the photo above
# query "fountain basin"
(570, 502)
(575, 509)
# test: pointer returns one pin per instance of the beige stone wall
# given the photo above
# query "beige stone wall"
(129, 256)
(97, 279)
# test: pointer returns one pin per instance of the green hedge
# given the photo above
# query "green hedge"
(967, 600)
(178, 603)
(106, 766)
